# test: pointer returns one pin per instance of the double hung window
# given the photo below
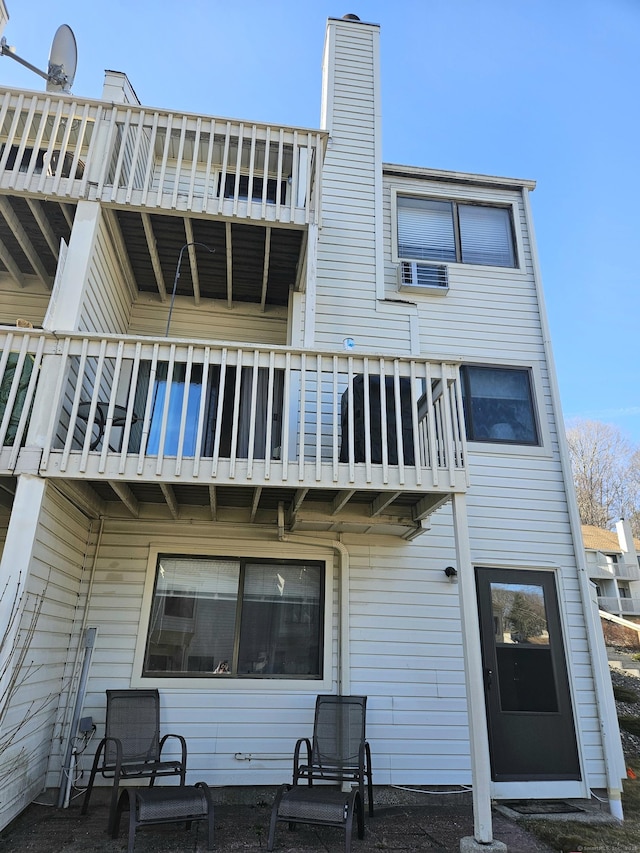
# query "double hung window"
(236, 617)
(498, 404)
(451, 231)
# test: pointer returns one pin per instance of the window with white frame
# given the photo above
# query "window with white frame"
(498, 404)
(235, 617)
(454, 231)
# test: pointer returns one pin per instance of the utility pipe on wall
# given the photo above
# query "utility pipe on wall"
(344, 665)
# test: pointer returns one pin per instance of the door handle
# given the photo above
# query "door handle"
(488, 679)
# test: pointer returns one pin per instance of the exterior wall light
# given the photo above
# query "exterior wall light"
(451, 574)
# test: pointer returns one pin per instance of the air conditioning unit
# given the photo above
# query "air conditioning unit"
(423, 277)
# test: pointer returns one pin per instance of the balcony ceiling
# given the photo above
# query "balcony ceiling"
(250, 263)
(403, 514)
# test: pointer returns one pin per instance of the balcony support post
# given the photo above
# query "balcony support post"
(67, 300)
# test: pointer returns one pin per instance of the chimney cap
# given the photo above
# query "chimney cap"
(350, 17)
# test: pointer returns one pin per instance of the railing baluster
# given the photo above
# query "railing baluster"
(269, 429)
(219, 411)
(168, 389)
(184, 410)
(279, 200)
(236, 182)
(415, 423)
(397, 398)
(384, 430)
(62, 151)
(74, 408)
(82, 129)
(23, 144)
(235, 423)
(265, 173)
(319, 381)
(108, 151)
(54, 420)
(176, 183)
(367, 420)
(124, 138)
(350, 422)
(110, 409)
(151, 156)
(134, 156)
(95, 399)
(149, 408)
(432, 437)
(286, 406)
(26, 404)
(194, 164)
(15, 383)
(165, 158)
(133, 384)
(252, 415)
(12, 132)
(223, 170)
(334, 431)
(207, 176)
(197, 453)
(302, 412)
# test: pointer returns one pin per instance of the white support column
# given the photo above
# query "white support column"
(65, 307)
(476, 709)
(15, 564)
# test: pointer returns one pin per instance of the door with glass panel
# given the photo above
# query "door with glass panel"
(529, 713)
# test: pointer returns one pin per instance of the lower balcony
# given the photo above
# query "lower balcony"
(312, 440)
(620, 606)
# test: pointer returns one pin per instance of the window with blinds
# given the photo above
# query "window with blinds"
(433, 230)
(235, 617)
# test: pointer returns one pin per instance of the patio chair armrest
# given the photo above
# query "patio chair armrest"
(296, 756)
(183, 746)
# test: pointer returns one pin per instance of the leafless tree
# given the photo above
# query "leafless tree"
(606, 473)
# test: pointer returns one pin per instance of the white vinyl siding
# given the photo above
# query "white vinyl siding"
(106, 300)
(208, 321)
(38, 707)
(26, 303)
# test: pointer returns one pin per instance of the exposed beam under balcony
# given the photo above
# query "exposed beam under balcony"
(320, 510)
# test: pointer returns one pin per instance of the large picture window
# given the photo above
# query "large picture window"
(498, 404)
(236, 617)
(434, 230)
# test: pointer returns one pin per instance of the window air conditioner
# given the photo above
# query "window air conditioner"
(421, 277)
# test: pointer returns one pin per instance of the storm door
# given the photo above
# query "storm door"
(530, 719)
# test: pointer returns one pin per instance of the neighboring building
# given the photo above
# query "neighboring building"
(259, 491)
(614, 567)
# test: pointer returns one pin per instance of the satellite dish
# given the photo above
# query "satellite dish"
(63, 58)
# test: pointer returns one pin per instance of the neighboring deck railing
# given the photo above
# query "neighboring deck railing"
(625, 606)
(65, 147)
(139, 408)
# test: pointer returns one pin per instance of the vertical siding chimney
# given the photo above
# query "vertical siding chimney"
(350, 241)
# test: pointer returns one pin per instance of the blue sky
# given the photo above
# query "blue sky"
(542, 89)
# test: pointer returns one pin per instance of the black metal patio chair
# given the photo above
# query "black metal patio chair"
(338, 750)
(132, 747)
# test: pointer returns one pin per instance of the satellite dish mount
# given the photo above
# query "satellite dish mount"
(63, 58)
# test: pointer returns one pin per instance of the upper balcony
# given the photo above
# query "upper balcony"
(316, 440)
(247, 190)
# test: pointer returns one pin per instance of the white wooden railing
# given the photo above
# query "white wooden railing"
(139, 408)
(124, 154)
